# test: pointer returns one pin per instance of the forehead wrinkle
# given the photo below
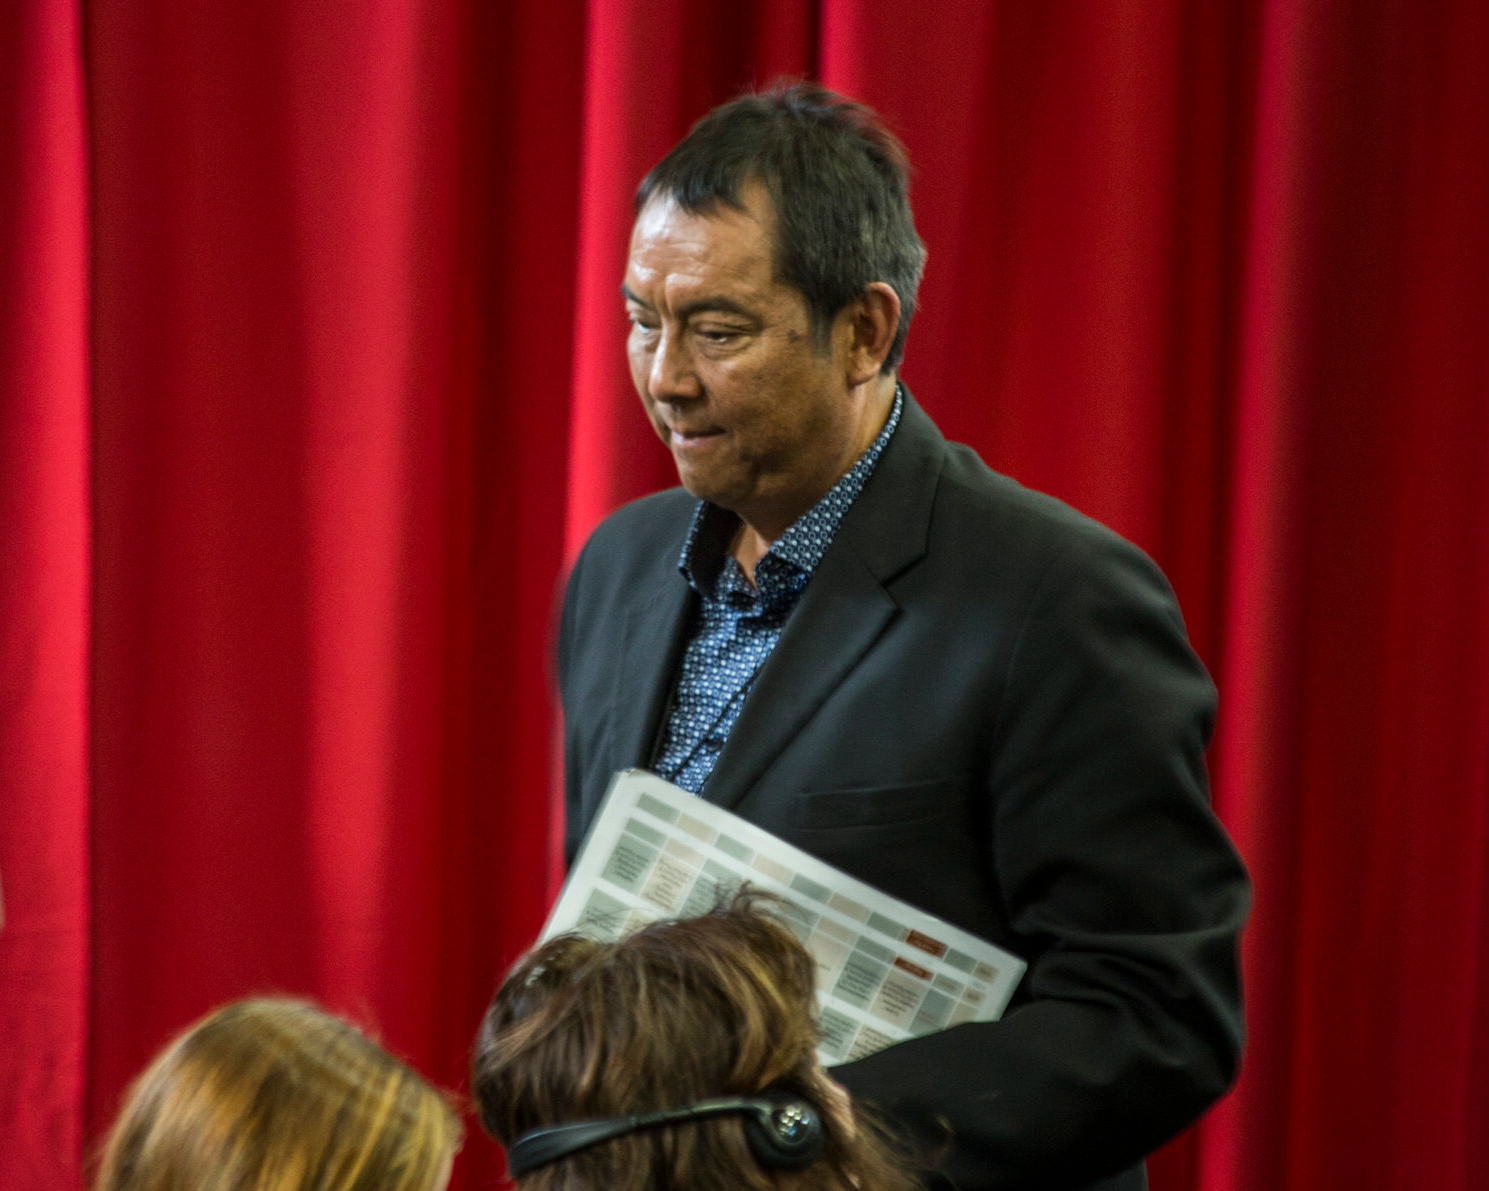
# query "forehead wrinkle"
(714, 302)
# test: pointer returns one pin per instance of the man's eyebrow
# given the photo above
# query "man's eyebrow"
(715, 305)
(718, 304)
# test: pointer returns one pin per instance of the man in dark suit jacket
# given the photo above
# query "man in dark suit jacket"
(960, 691)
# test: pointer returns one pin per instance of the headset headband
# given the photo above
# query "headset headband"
(784, 1133)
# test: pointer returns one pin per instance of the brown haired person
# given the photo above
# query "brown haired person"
(859, 637)
(276, 1095)
(681, 1057)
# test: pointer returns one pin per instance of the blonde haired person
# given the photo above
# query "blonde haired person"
(682, 1056)
(276, 1095)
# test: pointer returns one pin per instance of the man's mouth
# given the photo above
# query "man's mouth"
(687, 436)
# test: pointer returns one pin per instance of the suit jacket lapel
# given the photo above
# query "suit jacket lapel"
(844, 609)
(650, 652)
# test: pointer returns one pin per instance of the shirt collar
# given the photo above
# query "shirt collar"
(802, 546)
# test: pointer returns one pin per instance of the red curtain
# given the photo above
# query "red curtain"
(311, 377)
(44, 562)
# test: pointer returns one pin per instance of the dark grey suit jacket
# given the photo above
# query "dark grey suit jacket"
(985, 704)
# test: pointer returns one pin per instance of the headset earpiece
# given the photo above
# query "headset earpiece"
(785, 1134)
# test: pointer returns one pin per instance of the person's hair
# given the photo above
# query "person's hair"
(676, 1012)
(838, 183)
(270, 1094)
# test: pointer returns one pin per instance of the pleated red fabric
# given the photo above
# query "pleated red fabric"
(44, 581)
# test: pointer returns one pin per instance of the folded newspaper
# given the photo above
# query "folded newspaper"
(885, 970)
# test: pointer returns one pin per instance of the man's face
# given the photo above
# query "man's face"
(753, 406)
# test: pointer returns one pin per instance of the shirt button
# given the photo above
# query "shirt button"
(714, 743)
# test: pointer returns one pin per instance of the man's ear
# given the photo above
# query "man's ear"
(874, 319)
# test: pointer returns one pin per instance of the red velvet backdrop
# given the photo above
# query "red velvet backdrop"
(311, 376)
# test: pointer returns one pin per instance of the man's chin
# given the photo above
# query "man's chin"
(708, 488)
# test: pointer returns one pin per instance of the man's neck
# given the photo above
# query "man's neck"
(748, 548)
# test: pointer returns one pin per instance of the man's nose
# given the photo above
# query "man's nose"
(672, 376)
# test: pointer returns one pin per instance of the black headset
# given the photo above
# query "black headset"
(784, 1133)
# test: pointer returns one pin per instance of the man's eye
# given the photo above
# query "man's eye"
(717, 335)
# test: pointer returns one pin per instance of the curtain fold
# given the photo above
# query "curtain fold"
(44, 582)
(281, 535)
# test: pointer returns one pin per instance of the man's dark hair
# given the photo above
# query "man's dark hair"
(839, 184)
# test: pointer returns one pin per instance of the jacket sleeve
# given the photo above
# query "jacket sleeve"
(1122, 891)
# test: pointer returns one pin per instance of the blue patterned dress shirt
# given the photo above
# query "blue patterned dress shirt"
(737, 624)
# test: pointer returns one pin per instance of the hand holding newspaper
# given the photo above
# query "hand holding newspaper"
(885, 970)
